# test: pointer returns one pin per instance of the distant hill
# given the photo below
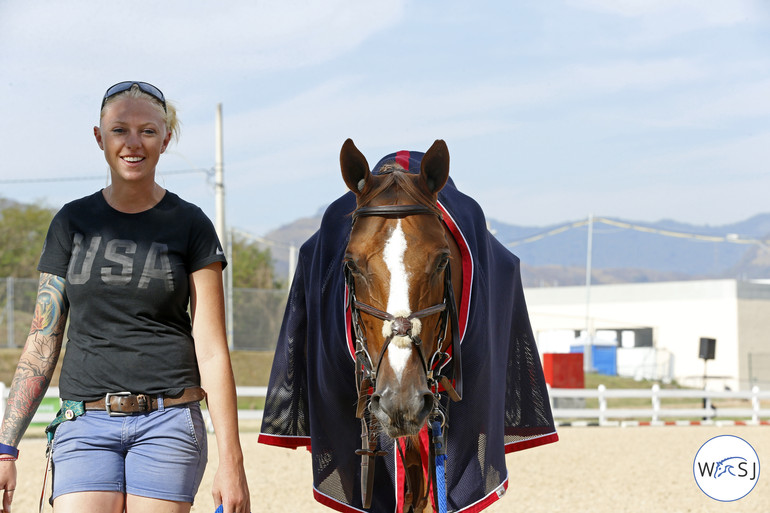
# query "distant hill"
(297, 232)
(625, 255)
(619, 255)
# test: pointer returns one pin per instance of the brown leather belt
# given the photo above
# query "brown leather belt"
(126, 403)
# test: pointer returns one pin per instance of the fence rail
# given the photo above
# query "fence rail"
(655, 412)
(755, 414)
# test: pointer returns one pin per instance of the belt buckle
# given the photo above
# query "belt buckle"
(107, 404)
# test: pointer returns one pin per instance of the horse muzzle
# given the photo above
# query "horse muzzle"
(401, 413)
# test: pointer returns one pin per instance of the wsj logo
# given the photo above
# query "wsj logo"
(726, 468)
(734, 466)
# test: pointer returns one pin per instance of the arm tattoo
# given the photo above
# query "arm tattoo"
(38, 360)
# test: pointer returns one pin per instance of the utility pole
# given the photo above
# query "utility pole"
(587, 348)
(219, 192)
(219, 184)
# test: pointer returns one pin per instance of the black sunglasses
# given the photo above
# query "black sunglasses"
(143, 86)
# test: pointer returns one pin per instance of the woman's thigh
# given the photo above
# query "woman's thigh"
(86, 502)
(112, 502)
(137, 504)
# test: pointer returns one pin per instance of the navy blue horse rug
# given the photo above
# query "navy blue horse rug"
(312, 395)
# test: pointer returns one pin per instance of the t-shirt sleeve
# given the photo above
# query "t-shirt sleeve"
(57, 248)
(204, 246)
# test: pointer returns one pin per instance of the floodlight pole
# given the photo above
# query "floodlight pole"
(219, 185)
(219, 192)
(587, 349)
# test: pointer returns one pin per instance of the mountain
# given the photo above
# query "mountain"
(619, 254)
(630, 255)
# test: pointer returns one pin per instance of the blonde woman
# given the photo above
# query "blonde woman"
(124, 264)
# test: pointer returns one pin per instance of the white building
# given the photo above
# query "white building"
(657, 328)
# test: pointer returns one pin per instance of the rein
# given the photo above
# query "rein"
(366, 372)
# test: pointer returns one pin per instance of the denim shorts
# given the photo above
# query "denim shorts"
(160, 455)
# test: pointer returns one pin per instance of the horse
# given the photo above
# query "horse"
(368, 371)
(402, 296)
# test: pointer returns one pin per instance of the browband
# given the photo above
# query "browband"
(395, 211)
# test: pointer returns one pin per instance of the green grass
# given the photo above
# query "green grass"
(593, 380)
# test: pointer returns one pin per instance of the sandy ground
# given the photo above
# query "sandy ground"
(591, 469)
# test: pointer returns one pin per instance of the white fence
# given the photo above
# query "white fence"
(655, 412)
(753, 413)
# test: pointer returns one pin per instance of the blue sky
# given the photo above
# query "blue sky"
(552, 110)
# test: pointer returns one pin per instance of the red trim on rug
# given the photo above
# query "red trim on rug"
(425, 436)
(400, 445)
(473, 508)
(467, 265)
(289, 442)
(486, 501)
(348, 325)
(424, 441)
(334, 504)
(402, 159)
(531, 442)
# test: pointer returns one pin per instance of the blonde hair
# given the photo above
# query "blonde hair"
(169, 115)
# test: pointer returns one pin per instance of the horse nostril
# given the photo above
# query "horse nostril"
(374, 402)
(427, 404)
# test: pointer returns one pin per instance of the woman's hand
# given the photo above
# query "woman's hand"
(230, 489)
(7, 483)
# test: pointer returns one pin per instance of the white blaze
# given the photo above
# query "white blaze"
(398, 301)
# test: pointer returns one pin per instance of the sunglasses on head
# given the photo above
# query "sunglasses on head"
(143, 86)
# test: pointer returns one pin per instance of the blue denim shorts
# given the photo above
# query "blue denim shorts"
(161, 454)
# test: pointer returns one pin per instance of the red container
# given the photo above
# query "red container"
(564, 370)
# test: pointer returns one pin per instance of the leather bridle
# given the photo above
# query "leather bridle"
(367, 372)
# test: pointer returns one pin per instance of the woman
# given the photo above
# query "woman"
(123, 264)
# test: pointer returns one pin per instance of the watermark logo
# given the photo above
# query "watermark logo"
(726, 468)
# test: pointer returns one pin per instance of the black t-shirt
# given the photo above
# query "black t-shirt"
(128, 289)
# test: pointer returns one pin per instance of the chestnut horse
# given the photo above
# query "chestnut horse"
(402, 297)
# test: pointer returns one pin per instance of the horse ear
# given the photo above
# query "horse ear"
(435, 166)
(355, 168)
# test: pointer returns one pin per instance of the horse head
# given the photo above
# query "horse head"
(396, 262)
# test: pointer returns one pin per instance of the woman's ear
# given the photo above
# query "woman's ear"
(98, 136)
(166, 141)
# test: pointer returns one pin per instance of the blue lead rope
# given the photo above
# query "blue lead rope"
(440, 451)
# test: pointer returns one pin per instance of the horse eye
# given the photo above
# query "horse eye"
(351, 265)
(443, 263)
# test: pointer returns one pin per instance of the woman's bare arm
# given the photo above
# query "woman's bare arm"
(38, 359)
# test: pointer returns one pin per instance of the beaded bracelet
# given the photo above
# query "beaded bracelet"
(9, 450)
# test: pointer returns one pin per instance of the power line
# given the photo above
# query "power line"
(731, 238)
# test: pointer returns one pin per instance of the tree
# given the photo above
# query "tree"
(22, 233)
(252, 267)
(23, 229)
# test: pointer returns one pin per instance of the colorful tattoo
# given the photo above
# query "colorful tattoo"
(38, 360)
(50, 306)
